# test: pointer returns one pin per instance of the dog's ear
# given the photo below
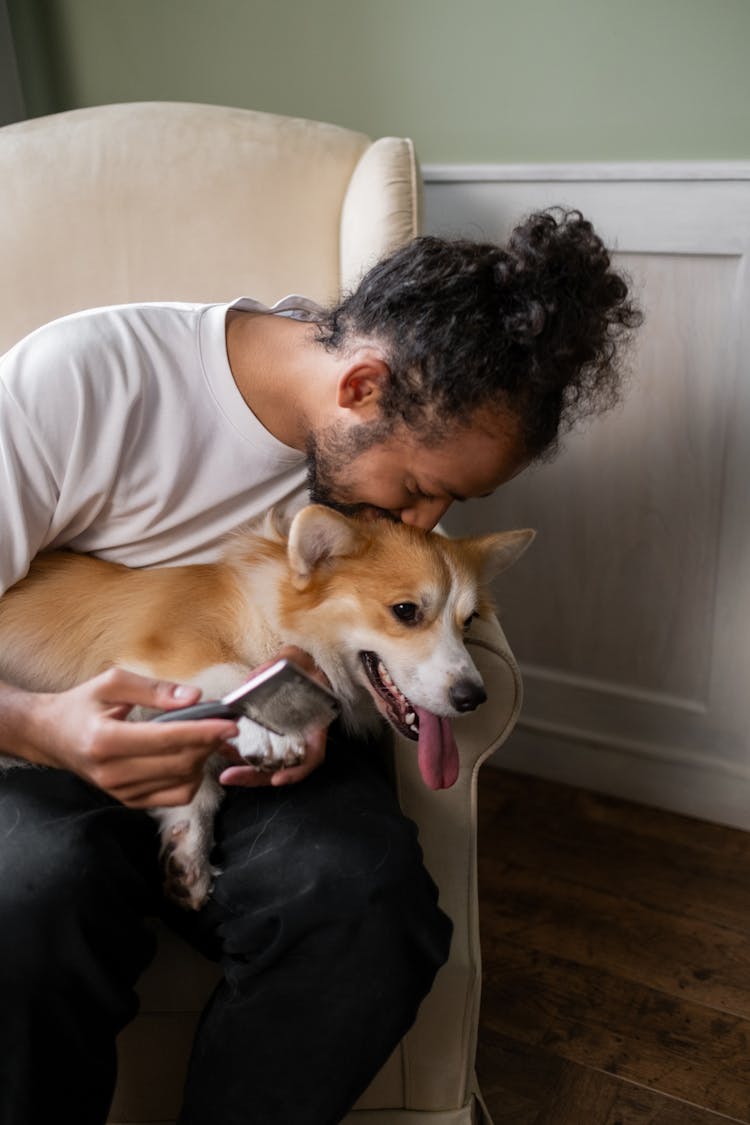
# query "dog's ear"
(317, 535)
(499, 551)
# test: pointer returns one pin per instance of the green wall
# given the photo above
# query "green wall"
(469, 80)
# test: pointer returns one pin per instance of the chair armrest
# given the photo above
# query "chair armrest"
(382, 207)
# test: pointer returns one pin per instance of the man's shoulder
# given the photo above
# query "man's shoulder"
(93, 334)
(111, 319)
(87, 326)
(106, 350)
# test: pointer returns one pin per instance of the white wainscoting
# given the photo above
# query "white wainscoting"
(631, 614)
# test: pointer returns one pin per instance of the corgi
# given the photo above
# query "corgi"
(383, 609)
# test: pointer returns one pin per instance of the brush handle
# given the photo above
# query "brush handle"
(211, 709)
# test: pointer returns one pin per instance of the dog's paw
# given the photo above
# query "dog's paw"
(188, 875)
(288, 750)
(267, 751)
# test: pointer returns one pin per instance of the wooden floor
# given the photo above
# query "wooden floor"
(616, 945)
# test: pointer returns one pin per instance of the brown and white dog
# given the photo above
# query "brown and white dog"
(382, 608)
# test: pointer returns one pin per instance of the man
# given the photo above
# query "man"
(143, 434)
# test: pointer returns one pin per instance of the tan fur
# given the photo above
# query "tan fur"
(73, 616)
(329, 585)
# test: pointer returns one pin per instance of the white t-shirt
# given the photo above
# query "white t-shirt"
(123, 434)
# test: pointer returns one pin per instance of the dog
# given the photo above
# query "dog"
(383, 609)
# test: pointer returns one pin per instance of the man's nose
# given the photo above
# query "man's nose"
(425, 513)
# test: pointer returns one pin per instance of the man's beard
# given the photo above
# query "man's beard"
(331, 452)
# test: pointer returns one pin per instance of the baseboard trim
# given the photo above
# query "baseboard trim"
(687, 786)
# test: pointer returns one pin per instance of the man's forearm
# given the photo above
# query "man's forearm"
(17, 709)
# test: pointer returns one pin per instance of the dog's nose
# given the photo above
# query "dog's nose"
(466, 695)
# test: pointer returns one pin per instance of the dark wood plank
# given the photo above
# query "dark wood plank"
(526, 1086)
(607, 844)
(600, 1021)
(682, 957)
(616, 960)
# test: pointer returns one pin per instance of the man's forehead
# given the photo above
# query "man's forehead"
(473, 461)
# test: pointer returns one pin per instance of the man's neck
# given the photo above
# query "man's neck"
(279, 370)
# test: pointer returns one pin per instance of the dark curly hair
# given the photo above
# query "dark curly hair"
(534, 327)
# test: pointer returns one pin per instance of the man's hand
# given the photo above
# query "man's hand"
(315, 743)
(144, 765)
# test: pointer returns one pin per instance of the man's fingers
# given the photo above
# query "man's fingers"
(116, 684)
(141, 741)
(252, 778)
(289, 774)
(314, 757)
(154, 780)
(167, 795)
(246, 777)
(130, 760)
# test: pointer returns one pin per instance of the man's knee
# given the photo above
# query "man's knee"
(353, 874)
(377, 865)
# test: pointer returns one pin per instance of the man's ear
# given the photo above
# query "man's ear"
(317, 535)
(361, 384)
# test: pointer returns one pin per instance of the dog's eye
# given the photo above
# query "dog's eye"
(469, 619)
(407, 612)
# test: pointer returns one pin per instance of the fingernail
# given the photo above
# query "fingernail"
(183, 691)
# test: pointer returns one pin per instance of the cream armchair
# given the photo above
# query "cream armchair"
(168, 201)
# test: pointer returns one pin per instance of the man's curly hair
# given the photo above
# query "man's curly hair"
(535, 327)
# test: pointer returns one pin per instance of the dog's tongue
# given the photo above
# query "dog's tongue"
(437, 751)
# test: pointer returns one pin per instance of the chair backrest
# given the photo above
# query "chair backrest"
(174, 201)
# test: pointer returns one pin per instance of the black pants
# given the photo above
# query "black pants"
(323, 918)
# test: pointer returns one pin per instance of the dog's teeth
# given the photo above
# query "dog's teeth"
(383, 673)
(411, 718)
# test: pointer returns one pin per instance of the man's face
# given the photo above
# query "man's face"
(377, 469)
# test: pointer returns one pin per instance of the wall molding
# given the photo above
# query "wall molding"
(631, 172)
(624, 691)
(691, 784)
(634, 670)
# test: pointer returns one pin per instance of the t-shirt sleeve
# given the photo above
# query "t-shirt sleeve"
(43, 435)
(28, 492)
